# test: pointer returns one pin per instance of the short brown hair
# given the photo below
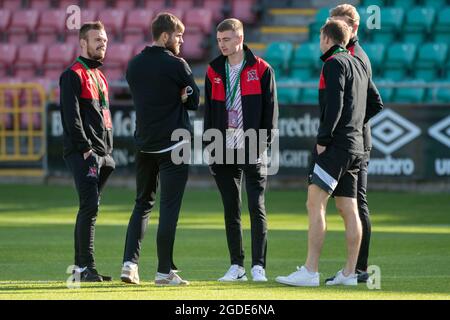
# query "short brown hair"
(231, 24)
(338, 31)
(348, 11)
(166, 22)
(91, 25)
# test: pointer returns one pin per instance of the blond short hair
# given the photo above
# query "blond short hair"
(348, 11)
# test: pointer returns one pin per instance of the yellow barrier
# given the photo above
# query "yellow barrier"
(22, 124)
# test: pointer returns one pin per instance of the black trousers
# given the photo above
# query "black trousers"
(151, 169)
(364, 213)
(90, 177)
(229, 179)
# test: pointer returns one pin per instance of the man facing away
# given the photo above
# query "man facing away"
(343, 90)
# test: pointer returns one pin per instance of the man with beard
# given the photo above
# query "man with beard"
(163, 89)
(87, 125)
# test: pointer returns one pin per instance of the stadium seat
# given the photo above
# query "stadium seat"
(59, 56)
(23, 23)
(177, 12)
(287, 95)
(113, 20)
(399, 59)
(443, 94)
(391, 24)
(40, 4)
(5, 19)
(12, 5)
(125, 4)
(193, 46)
(52, 26)
(310, 95)
(137, 26)
(410, 94)
(431, 58)
(8, 55)
(366, 3)
(216, 7)
(244, 10)
(279, 55)
(404, 4)
(199, 19)
(314, 28)
(442, 26)
(30, 58)
(436, 4)
(96, 4)
(156, 5)
(118, 55)
(384, 89)
(419, 22)
(376, 53)
(307, 58)
(183, 4)
(63, 4)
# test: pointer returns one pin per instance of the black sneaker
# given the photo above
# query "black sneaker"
(91, 275)
(363, 276)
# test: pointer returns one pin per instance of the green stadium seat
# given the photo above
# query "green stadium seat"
(376, 53)
(366, 3)
(399, 60)
(442, 26)
(287, 95)
(443, 94)
(310, 95)
(279, 55)
(430, 59)
(302, 74)
(386, 92)
(418, 24)
(410, 94)
(436, 4)
(307, 56)
(314, 27)
(391, 24)
(405, 4)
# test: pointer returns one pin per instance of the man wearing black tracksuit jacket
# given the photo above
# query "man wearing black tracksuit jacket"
(88, 141)
(156, 78)
(240, 95)
(349, 15)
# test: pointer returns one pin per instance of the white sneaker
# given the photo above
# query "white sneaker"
(172, 279)
(235, 273)
(301, 278)
(259, 274)
(130, 273)
(350, 280)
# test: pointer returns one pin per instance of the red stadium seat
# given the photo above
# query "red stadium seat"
(216, 7)
(30, 58)
(8, 55)
(63, 4)
(96, 4)
(155, 5)
(52, 26)
(179, 13)
(40, 4)
(23, 23)
(192, 47)
(183, 4)
(199, 19)
(114, 74)
(5, 19)
(86, 15)
(137, 26)
(138, 49)
(125, 4)
(113, 19)
(59, 56)
(12, 5)
(243, 10)
(118, 55)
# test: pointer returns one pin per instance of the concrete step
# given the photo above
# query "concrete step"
(284, 33)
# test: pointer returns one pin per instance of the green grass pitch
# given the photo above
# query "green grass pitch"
(410, 243)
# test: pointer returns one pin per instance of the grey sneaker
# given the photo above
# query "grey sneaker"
(130, 274)
(173, 279)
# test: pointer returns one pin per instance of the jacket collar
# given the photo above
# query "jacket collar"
(154, 49)
(218, 64)
(92, 64)
(330, 52)
(352, 42)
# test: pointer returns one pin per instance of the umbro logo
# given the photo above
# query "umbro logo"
(390, 131)
(252, 76)
(441, 131)
(217, 80)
